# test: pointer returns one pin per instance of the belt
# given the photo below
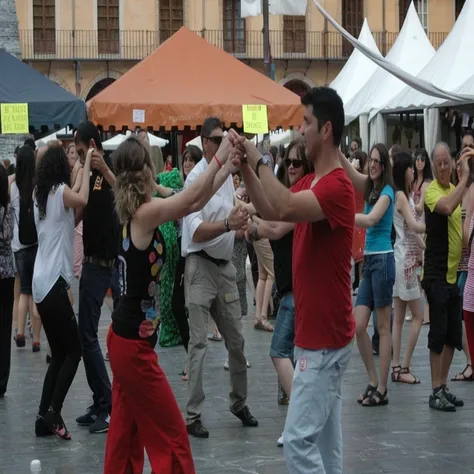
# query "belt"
(215, 261)
(100, 261)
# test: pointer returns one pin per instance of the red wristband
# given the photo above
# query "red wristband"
(219, 164)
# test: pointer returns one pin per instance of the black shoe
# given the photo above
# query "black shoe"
(246, 417)
(88, 419)
(41, 429)
(20, 340)
(438, 401)
(197, 429)
(452, 398)
(101, 425)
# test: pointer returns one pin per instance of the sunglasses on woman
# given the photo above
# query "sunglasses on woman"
(296, 163)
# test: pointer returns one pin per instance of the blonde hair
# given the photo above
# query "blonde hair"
(157, 158)
(135, 175)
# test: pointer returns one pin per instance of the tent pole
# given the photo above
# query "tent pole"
(266, 37)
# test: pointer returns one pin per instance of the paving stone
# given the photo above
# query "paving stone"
(404, 437)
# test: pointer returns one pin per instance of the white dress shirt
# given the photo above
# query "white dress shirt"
(217, 209)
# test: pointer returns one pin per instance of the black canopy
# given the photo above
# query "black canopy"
(49, 105)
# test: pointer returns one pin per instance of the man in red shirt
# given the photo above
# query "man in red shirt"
(321, 207)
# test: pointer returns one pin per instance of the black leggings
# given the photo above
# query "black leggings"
(6, 318)
(178, 307)
(60, 326)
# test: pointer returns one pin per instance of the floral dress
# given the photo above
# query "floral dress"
(7, 261)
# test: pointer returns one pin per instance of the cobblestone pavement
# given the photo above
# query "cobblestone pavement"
(404, 437)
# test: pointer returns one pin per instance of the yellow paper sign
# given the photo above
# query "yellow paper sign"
(14, 118)
(255, 118)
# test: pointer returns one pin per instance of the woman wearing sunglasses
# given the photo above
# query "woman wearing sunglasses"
(294, 166)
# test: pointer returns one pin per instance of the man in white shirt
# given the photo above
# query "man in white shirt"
(210, 280)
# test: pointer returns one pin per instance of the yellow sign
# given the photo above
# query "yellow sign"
(14, 118)
(255, 118)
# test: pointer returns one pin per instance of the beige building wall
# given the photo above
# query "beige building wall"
(143, 16)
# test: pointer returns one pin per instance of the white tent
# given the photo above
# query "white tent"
(116, 141)
(358, 68)
(449, 69)
(411, 52)
(276, 138)
(54, 136)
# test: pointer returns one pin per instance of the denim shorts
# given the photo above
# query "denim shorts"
(378, 278)
(25, 263)
(283, 340)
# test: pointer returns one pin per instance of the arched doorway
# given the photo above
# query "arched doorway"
(297, 86)
(99, 87)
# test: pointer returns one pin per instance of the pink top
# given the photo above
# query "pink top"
(468, 296)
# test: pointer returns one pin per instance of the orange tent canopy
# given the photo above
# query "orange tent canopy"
(186, 80)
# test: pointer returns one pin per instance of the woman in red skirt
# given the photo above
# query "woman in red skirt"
(145, 412)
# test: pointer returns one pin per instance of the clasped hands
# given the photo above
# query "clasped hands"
(238, 150)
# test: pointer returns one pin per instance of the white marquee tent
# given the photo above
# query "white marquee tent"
(358, 68)
(449, 69)
(116, 141)
(54, 136)
(277, 138)
(411, 52)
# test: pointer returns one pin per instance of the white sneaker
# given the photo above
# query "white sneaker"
(280, 441)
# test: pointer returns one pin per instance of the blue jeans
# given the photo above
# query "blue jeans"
(313, 432)
(93, 286)
(283, 339)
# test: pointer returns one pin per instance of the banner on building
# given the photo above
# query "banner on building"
(276, 7)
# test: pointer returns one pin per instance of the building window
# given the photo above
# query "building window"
(44, 26)
(108, 26)
(171, 18)
(458, 7)
(234, 27)
(352, 20)
(294, 34)
(421, 8)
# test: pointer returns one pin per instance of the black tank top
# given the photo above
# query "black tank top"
(137, 315)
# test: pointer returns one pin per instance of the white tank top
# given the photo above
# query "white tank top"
(55, 245)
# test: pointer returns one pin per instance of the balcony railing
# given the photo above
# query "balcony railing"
(136, 45)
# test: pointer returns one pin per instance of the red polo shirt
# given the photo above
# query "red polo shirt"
(322, 266)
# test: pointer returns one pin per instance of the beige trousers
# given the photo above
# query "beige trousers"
(207, 284)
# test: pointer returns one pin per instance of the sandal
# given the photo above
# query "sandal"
(462, 377)
(396, 373)
(376, 400)
(263, 326)
(397, 376)
(215, 337)
(55, 423)
(370, 389)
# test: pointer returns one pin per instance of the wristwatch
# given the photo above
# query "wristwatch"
(266, 160)
(227, 226)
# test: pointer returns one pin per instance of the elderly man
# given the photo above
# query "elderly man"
(442, 255)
